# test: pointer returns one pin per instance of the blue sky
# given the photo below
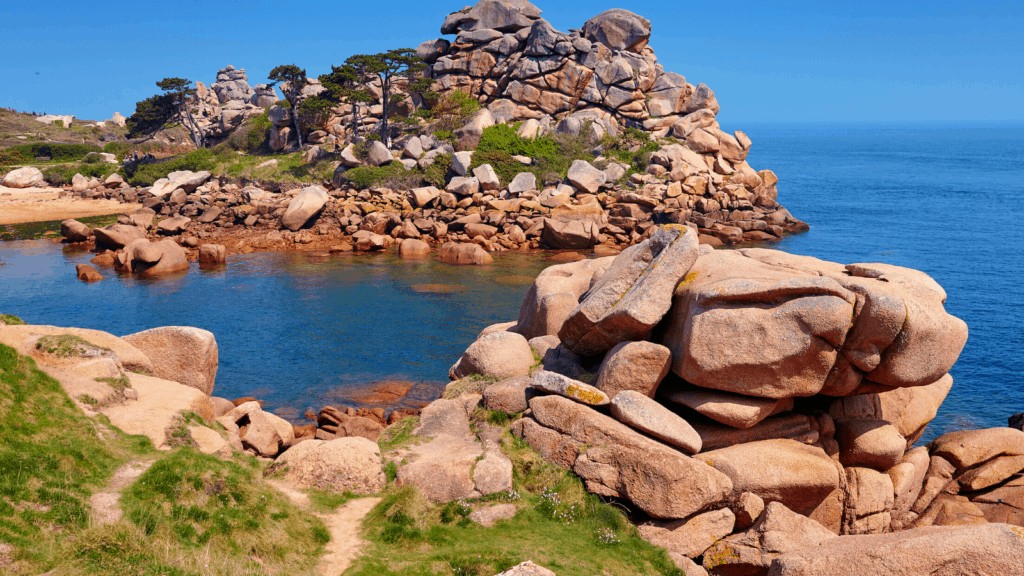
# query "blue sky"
(787, 61)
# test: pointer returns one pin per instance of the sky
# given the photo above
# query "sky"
(782, 61)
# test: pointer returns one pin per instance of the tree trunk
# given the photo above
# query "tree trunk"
(355, 121)
(385, 132)
(198, 138)
(295, 120)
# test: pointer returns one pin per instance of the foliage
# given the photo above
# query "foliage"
(392, 175)
(386, 67)
(28, 153)
(634, 147)
(315, 112)
(292, 80)
(62, 174)
(552, 155)
(558, 525)
(453, 110)
(252, 135)
(437, 173)
(147, 174)
(158, 112)
(51, 459)
(347, 83)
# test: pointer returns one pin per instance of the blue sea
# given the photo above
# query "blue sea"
(299, 330)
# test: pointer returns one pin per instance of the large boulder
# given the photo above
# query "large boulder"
(554, 383)
(692, 536)
(117, 236)
(799, 476)
(618, 462)
(152, 259)
(181, 353)
(798, 326)
(730, 409)
(497, 355)
(641, 412)
(26, 177)
(304, 207)
(910, 410)
(463, 253)
(342, 465)
(500, 15)
(74, 231)
(633, 295)
(779, 530)
(585, 177)
(983, 550)
(635, 366)
(619, 30)
(555, 293)
(570, 234)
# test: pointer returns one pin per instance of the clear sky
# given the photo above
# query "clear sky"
(789, 60)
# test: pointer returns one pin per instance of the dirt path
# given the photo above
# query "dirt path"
(343, 524)
(106, 505)
(19, 206)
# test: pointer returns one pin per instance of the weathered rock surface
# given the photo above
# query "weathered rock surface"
(498, 355)
(637, 366)
(152, 259)
(621, 463)
(74, 231)
(304, 207)
(555, 294)
(555, 383)
(729, 409)
(462, 253)
(26, 177)
(342, 465)
(633, 295)
(181, 353)
(642, 413)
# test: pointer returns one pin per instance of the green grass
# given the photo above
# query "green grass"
(11, 320)
(36, 230)
(53, 152)
(51, 460)
(323, 501)
(398, 435)
(62, 174)
(119, 384)
(197, 160)
(552, 154)
(558, 525)
(68, 346)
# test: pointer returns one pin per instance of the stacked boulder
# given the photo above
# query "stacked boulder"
(726, 394)
(222, 107)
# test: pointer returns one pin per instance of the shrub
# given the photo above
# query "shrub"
(437, 173)
(251, 135)
(453, 110)
(393, 175)
(61, 175)
(28, 153)
(552, 155)
(147, 174)
(633, 147)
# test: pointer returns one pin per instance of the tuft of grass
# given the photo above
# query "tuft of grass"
(178, 434)
(558, 525)
(222, 512)
(392, 175)
(323, 501)
(51, 459)
(69, 346)
(398, 435)
(11, 320)
(119, 384)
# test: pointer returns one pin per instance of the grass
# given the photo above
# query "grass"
(36, 230)
(11, 320)
(323, 501)
(18, 129)
(69, 346)
(51, 460)
(558, 525)
(552, 154)
(398, 435)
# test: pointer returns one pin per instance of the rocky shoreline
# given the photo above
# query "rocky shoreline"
(755, 412)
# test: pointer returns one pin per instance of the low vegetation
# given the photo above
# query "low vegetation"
(189, 514)
(557, 525)
(35, 230)
(11, 320)
(68, 346)
(552, 155)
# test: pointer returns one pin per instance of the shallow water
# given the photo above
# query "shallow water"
(296, 329)
(292, 329)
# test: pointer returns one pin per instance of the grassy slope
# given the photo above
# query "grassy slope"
(19, 128)
(189, 514)
(558, 525)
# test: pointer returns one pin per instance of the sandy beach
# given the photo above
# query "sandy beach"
(20, 206)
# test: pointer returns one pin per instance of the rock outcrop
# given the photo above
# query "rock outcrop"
(798, 388)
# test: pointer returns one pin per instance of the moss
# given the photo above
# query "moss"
(69, 346)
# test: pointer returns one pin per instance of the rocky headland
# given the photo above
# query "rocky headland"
(627, 146)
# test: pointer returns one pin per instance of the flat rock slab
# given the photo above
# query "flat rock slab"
(581, 392)
(642, 413)
(732, 410)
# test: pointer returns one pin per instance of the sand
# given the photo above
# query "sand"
(20, 206)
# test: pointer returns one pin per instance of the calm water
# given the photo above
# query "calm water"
(294, 329)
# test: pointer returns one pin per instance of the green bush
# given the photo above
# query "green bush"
(437, 173)
(118, 149)
(393, 175)
(552, 155)
(633, 147)
(251, 135)
(62, 175)
(147, 174)
(453, 110)
(27, 153)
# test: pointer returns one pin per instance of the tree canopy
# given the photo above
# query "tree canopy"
(161, 110)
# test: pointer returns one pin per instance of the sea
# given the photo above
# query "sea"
(300, 331)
